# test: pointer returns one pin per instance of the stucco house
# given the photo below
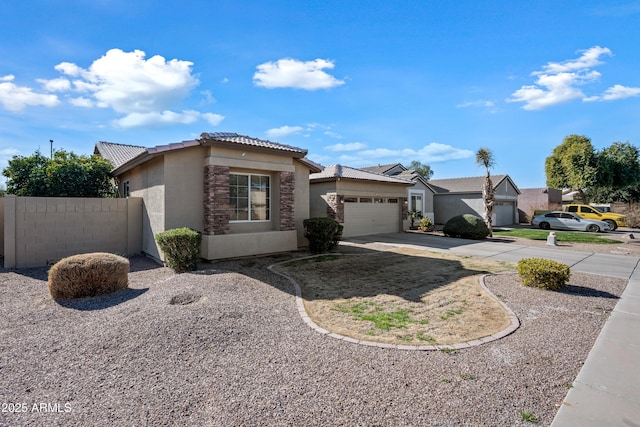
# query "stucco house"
(364, 202)
(246, 195)
(419, 195)
(533, 199)
(458, 196)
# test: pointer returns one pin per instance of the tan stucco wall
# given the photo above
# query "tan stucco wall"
(147, 182)
(302, 208)
(172, 188)
(184, 188)
(318, 190)
(370, 189)
(248, 160)
(247, 244)
(318, 206)
(41, 229)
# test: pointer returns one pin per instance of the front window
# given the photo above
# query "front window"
(249, 197)
(416, 203)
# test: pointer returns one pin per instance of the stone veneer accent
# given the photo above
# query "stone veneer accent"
(287, 201)
(216, 199)
(335, 207)
(405, 207)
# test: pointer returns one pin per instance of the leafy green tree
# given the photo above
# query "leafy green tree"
(424, 170)
(573, 165)
(618, 173)
(66, 175)
(484, 157)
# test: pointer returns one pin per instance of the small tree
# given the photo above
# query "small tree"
(66, 175)
(484, 157)
(572, 165)
(424, 170)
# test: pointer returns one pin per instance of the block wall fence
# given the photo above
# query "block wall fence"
(40, 230)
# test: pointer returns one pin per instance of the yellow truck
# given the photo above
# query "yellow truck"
(586, 211)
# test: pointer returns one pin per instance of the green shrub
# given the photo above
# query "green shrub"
(543, 273)
(88, 275)
(323, 234)
(181, 247)
(466, 226)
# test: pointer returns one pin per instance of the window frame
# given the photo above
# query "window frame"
(126, 188)
(233, 209)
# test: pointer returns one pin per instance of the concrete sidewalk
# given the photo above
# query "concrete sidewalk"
(607, 389)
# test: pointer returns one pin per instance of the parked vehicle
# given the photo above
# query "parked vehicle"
(560, 220)
(585, 211)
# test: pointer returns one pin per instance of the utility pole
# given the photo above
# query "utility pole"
(51, 142)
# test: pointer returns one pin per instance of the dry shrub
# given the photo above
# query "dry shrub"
(88, 275)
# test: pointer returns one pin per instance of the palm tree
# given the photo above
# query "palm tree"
(484, 157)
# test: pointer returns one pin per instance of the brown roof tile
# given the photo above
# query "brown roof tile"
(346, 172)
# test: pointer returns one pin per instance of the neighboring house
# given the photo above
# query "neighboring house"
(464, 195)
(364, 202)
(247, 196)
(533, 199)
(419, 196)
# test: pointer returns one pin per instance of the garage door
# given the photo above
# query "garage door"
(504, 213)
(361, 219)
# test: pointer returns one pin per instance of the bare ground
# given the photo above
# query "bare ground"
(226, 346)
(401, 296)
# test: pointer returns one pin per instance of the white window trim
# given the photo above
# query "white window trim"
(239, 221)
(421, 193)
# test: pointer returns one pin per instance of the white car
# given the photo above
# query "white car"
(560, 220)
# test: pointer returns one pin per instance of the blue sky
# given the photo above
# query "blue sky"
(353, 82)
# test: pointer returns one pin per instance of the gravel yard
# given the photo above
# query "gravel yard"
(226, 347)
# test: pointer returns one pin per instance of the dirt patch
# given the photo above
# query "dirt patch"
(401, 296)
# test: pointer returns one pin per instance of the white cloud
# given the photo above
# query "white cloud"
(560, 82)
(213, 119)
(333, 134)
(352, 146)
(296, 74)
(127, 83)
(55, 85)
(81, 101)
(144, 91)
(616, 92)
(283, 131)
(166, 118)
(589, 59)
(431, 153)
(489, 106)
(16, 98)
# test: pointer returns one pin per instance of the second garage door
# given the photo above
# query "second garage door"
(368, 217)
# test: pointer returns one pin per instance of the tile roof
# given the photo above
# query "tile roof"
(247, 140)
(380, 168)
(463, 185)
(118, 154)
(122, 156)
(345, 172)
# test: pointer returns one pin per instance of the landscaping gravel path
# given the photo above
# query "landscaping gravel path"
(227, 347)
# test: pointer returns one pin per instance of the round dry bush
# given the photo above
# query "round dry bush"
(88, 275)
